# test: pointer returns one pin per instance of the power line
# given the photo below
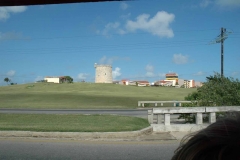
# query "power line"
(90, 50)
(109, 47)
(220, 39)
(163, 44)
(100, 35)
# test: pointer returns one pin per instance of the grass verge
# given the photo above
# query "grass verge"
(70, 123)
(85, 96)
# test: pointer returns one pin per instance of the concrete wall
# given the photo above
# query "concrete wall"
(180, 82)
(165, 113)
(178, 127)
(103, 74)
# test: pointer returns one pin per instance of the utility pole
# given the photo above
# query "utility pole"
(223, 30)
(220, 39)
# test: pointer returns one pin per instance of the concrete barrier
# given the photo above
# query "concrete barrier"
(178, 127)
(141, 103)
(198, 111)
(76, 135)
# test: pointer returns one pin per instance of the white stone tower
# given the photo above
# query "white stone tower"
(103, 73)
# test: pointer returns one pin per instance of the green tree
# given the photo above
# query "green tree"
(69, 79)
(219, 91)
(216, 91)
(7, 80)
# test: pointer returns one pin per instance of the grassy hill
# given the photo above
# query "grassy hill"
(84, 95)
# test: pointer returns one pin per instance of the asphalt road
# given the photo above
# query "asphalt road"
(87, 150)
(142, 113)
(126, 112)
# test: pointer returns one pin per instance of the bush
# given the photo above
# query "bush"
(216, 91)
(219, 91)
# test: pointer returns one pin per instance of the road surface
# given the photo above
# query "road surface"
(90, 150)
(126, 112)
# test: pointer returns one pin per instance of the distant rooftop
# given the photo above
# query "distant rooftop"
(171, 74)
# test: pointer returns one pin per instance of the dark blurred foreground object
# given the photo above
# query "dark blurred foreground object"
(219, 141)
(42, 2)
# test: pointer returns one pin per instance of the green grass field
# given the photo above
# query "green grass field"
(84, 95)
(70, 123)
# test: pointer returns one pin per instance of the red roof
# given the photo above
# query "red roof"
(142, 81)
(163, 81)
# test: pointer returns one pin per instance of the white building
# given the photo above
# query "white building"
(55, 79)
(172, 81)
(189, 83)
(52, 79)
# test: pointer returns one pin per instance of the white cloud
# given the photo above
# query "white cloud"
(5, 12)
(180, 59)
(11, 36)
(235, 74)
(200, 73)
(38, 78)
(116, 73)
(110, 60)
(157, 25)
(82, 76)
(112, 25)
(205, 3)
(149, 71)
(151, 74)
(149, 68)
(125, 16)
(11, 73)
(228, 3)
(103, 60)
(16, 9)
(124, 6)
(220, 3)
(110, 28)
(121, 31)
(162, 74)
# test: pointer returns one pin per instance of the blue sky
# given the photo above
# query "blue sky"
(142, 40)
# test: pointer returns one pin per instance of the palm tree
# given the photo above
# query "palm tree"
(7, 80)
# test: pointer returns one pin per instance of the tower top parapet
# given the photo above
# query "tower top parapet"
(102, 65)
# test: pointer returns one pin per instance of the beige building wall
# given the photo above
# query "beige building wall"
(52, 79)
(189, 83)
(103, 73)
(198, 84)
(186, 84)
(180, 82)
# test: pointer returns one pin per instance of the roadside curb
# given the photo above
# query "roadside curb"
(76, 135)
